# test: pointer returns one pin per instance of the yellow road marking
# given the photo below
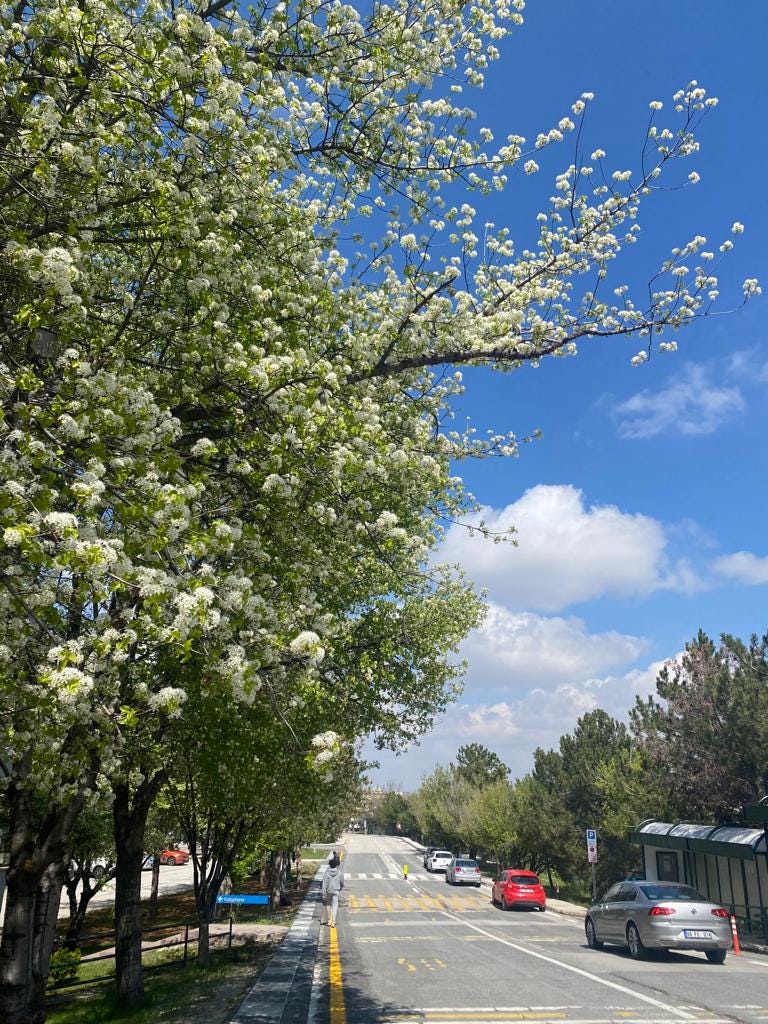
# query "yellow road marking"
(338, 1007)
(404, 963)
(416, 903)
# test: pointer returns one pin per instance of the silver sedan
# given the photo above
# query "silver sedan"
(659, 915)
(463, 871)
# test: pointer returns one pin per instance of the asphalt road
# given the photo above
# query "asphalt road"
(423, 951)
(173, 878)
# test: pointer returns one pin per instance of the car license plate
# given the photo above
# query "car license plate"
(693, 933)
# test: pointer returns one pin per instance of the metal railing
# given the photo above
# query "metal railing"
(175, 940)
(751, 921)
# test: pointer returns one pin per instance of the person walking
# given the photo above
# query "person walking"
(333, 883)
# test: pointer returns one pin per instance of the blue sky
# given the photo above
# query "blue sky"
(648, 480)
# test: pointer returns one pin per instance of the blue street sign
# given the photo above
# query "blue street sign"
(591, 835)
(260, 899)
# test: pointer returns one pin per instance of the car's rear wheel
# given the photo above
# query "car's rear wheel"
(635, 943)
(716, 956)
(542, 909)
(504, 904)
(592, 940)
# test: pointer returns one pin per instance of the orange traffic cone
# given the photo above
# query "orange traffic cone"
(734, 932)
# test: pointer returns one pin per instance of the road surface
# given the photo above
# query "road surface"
(173, 878)
(423, 951)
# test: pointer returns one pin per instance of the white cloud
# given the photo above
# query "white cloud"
(743, 567)
(690, 404)
(750, 365)
(519, 649)
(515, 726)
(566, 552)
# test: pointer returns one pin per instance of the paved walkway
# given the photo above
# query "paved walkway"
(281, 993)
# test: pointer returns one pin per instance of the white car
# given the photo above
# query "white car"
(439, 860)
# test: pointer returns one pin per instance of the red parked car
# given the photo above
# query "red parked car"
(515, 887)
(172, 856)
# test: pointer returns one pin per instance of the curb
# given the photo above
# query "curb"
(288, 974)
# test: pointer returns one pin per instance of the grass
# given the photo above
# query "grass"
(174, 994)
(315, 853)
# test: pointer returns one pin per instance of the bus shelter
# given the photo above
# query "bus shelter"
(728, 863)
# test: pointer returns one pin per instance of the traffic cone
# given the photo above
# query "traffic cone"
(735, 934)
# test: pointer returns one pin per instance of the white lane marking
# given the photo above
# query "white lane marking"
(313, 1012)
(760, 963)
(682, 1014)
(409, 1018)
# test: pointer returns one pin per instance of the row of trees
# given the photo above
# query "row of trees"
(697, 749)
(233, 295)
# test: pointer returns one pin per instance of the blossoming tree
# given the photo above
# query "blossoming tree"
(228, 352)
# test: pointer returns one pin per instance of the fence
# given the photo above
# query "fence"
(167, 942)
(751, 921)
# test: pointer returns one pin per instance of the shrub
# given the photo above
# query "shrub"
(65, 965)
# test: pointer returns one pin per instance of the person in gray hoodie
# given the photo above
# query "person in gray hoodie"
(333, 883)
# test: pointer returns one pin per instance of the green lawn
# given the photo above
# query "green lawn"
(175, 994)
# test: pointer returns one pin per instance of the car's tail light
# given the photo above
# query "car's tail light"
(719, 912)
(661, 911)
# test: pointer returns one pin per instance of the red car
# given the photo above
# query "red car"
(515, 887)
(171, 856)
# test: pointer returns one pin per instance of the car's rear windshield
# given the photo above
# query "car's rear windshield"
(443, 853)
(673, 892)
(466, 864)
(524, 879)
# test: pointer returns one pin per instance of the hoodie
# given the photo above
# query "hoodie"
(333, 881)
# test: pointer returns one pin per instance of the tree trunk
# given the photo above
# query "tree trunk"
(203, 941)
(154, 889)
(129, 837)
(21, 994)
(46, 917)
(276, 880)
(130, 819)
(38, 854)
(77, 910)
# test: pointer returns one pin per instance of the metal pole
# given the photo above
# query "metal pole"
(594, 883)
(186, 941)
(230, 932)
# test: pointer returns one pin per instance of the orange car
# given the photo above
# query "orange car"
(173, 856)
